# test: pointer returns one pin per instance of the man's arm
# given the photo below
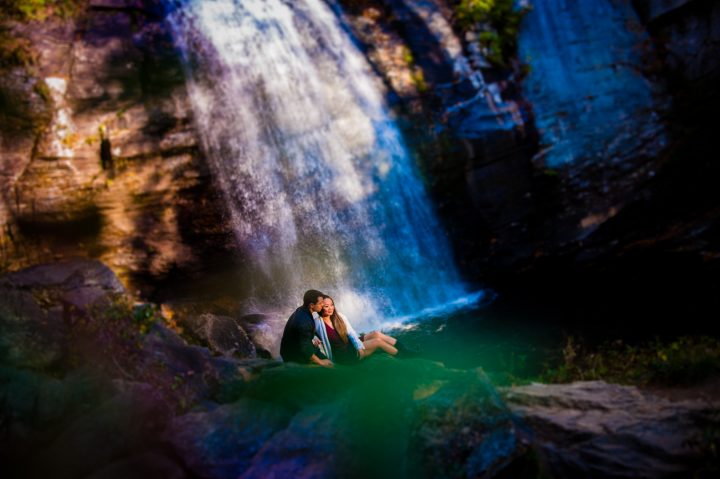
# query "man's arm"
(321, 362)
(307, 332)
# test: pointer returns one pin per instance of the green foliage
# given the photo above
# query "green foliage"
(418, 78)
(144, 316)
(514, 368)
(683, 361)
(494, 47)
(407, 56)
(499, 25)
(470, 12)
(40, 10)
(14, 51)
(707, 443)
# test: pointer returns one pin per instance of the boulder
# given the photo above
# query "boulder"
(66, 275)
(37, 301)
(186, 374)
(117, 427)
(30, 336)
(221, 334)
(37, 407)
(384, 418)
(311, 446)
(595, 429)
(73, 287)
(221, 443)
(462, 428)
(264, 331)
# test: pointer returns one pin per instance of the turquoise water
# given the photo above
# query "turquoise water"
(505, 345)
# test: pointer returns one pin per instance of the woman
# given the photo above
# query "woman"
(341, 342)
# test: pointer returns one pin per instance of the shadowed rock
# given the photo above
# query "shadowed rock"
(596, 429)
(264, 331)
(311, 446)
(36, 302)
(143, 465)
(127, 422)
(384, 418)
(221, 443)
(66, 275)
(221, 334)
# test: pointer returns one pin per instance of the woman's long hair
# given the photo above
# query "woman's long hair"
(338, 323)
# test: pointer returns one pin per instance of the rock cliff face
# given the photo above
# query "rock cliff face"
(585, 147)
(598, 117)
(99, 153)
(686, 34)
(538, 155)
(583, 165)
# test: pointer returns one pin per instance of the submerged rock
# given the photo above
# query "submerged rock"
(596, 429)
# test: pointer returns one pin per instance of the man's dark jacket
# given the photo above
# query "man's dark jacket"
(296, 344)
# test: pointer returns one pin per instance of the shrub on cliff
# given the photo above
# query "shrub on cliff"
(498, 22)
(41, 9)
(686, 360)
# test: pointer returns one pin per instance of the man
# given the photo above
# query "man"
(296, 344)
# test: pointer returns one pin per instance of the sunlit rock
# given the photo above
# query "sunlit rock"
(108, 80)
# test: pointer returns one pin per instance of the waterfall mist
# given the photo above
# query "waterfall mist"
(321, 190)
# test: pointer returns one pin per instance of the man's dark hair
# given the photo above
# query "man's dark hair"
(311, 297)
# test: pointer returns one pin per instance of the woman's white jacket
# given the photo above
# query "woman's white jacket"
(322, 334)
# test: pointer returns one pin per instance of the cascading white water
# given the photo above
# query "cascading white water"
(322, 191)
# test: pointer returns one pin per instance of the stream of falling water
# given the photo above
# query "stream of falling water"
(321, 188)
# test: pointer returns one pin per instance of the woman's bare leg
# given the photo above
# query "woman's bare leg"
(380, 335)
(372, 345)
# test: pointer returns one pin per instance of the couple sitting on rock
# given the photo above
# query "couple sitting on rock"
(327, 337)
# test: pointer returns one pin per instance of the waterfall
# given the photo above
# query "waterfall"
(321, 189)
